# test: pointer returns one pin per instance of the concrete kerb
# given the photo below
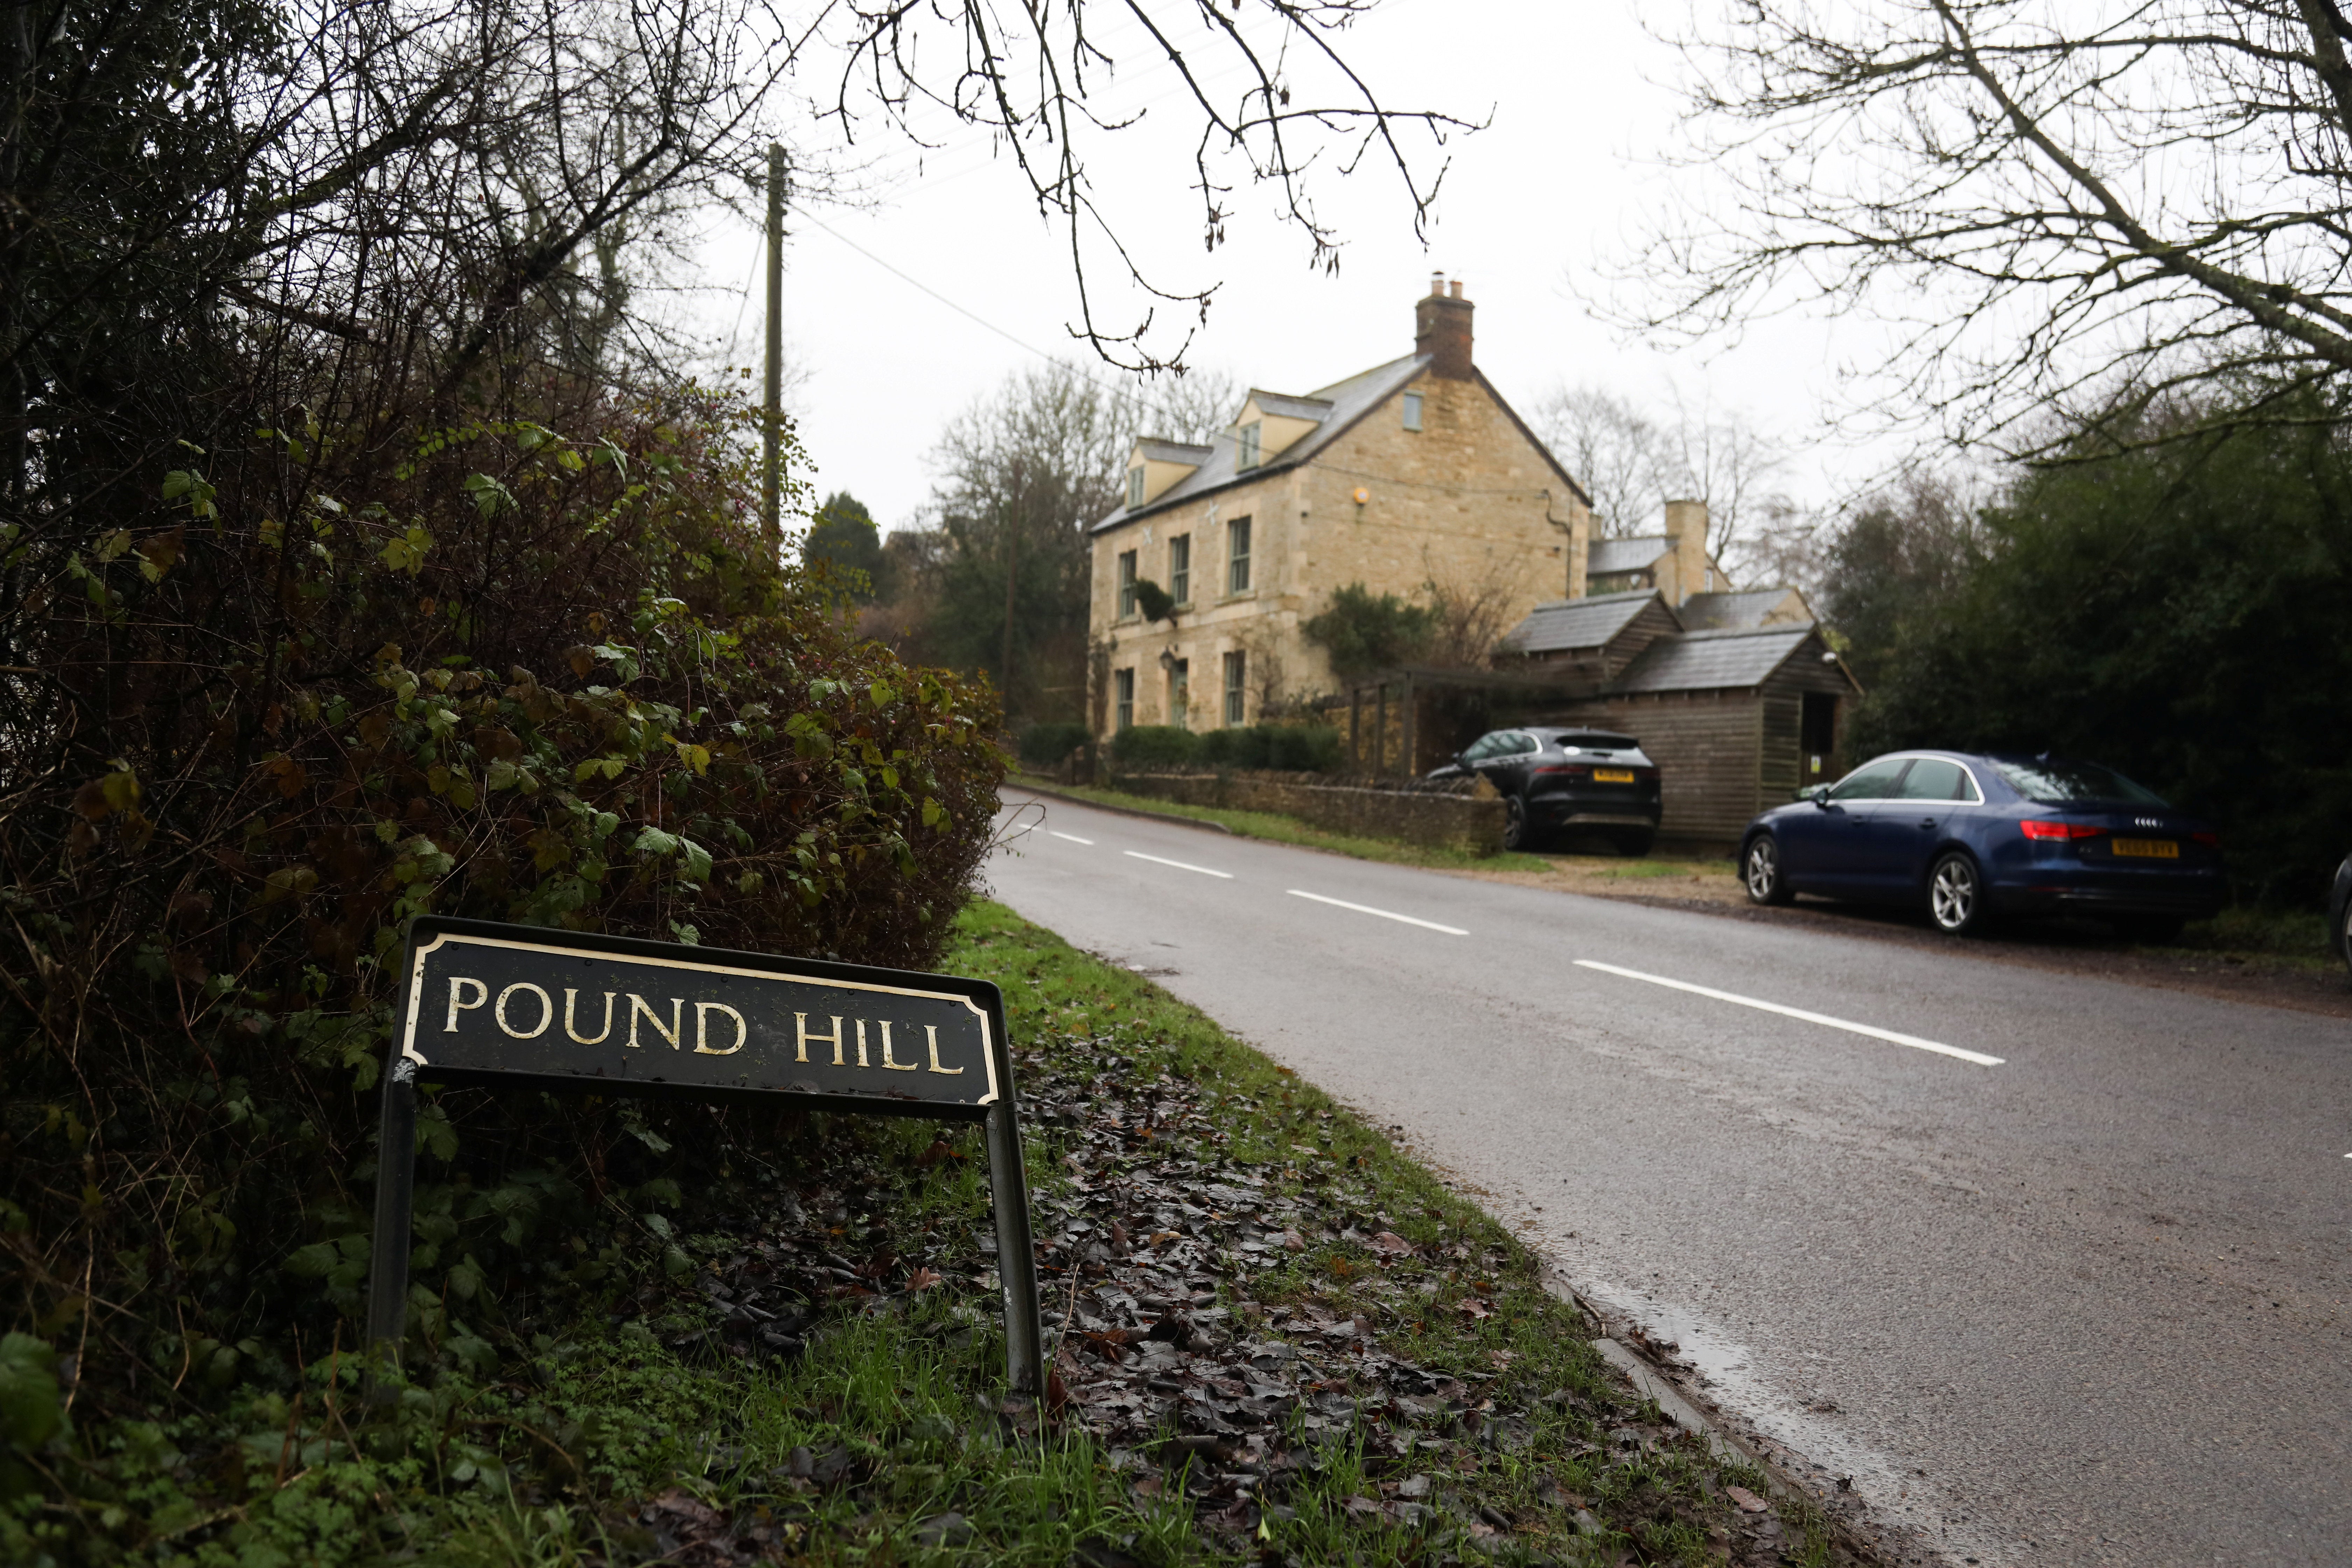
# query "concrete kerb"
(1650, 1382)
(1175, 816)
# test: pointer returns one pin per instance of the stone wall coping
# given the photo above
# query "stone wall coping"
(1335, 783)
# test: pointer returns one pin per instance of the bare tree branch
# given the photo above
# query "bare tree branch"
(1026, 71)
(2045, 207)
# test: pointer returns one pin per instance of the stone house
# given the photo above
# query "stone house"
(1412, 473)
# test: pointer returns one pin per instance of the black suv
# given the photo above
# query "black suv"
(1553, 780)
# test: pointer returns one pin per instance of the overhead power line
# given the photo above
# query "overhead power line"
(1111, 388)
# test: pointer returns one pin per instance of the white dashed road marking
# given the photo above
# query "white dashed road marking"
(1384, 915)
(1180, 865)
(1071, 836)
(1916, 1044)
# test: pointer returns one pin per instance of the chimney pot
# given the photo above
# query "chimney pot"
(1457, 288)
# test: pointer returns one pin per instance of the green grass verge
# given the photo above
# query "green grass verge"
(2295, 938)
(1279, 1341)
(1279, 830)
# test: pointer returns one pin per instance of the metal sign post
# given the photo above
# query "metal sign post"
(505, 1005)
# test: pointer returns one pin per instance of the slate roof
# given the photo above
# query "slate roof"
(1734, 658)
(1612, 556)
(1747, 607)
(1282, 405)
(1348, 400)
(1576, 622)
(1159, 451)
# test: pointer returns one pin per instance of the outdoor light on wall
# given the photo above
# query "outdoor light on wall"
(1362, 495)
(1168, 658)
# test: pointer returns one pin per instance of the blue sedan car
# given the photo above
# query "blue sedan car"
(1969, 837)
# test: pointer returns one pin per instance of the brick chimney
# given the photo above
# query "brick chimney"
(1441, 328)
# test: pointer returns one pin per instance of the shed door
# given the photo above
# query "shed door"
(1816, 738)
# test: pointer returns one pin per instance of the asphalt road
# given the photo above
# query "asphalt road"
(2087, 1304)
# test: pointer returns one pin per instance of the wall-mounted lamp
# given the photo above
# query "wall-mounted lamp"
(1362, 495)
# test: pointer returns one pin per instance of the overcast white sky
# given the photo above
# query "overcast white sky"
(1581, 105)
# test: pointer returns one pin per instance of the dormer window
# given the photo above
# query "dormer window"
(1135, 488)
(1413, 410)
(1250, 434)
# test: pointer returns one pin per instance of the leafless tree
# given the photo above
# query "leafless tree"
(1194, 407)
(2043, 205)
(1632, 462)
(347, 192)
(1031, 71)
(1725, 461)
(1615, 450)
(1022, 474)
(1473, 610)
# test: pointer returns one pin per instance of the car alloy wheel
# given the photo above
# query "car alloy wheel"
(1514, 823)
(1955, 896)
(1761, 871)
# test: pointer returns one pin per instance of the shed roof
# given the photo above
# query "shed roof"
(1732, 658)
(1576, 622)
(1608, 556)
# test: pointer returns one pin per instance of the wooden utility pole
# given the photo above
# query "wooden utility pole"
(1011, 558)
(773, 409)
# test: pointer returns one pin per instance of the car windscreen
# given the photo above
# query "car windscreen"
(2050, 782)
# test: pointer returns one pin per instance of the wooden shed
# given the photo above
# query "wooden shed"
(1737, 717)
(1736, 720)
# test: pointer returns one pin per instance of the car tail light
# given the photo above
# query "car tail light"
(1572, 771)
(2040, 829)
(2210, 840)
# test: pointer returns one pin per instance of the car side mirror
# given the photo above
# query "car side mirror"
(1821, 796)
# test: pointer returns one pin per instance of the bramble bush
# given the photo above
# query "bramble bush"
(502, 672)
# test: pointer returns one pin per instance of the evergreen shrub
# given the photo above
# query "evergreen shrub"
(1154, 746)
(1290, 748)
(1044, 745)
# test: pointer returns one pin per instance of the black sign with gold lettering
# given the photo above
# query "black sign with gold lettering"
(659, 1015)
(501, 1003)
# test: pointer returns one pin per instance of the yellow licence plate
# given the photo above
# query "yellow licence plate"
(1612, 775)
(2149, 848)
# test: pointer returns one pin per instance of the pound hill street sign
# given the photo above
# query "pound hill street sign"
(516, 1005)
